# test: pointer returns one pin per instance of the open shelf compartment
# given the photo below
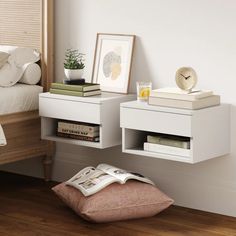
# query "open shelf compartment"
(49, 132)
(133, 143)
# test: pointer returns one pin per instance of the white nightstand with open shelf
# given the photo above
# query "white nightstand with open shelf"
(102, 110)
(208, 129)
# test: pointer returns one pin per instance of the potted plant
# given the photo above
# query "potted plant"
(73, 64)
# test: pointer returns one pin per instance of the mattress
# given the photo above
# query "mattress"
(19, 98)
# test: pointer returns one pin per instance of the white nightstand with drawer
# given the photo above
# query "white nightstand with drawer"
(103, 110)
(207, 129)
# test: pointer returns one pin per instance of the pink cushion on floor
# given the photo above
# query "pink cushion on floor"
(116, 202)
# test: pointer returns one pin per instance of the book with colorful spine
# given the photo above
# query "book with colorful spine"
(78, 130)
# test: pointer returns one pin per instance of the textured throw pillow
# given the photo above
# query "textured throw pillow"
(23, 56)
(10, 74)
(31, 75)
(3, 58)
(116, 202)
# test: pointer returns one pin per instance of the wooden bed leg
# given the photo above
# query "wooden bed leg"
(48, 160)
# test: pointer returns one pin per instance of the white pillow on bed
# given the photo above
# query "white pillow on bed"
(22, 56)
(10, 74)
(7, 49)
(31, 75)
(18, 61)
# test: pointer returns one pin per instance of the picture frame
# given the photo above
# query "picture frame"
(112, 62)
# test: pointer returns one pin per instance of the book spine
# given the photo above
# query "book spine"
(67, 87)
(168, 142)
(66, 92)
(79, 137)
(184, 104)
(69, 131)
(78, 127)
(186, 97)
(151, 147)
(76, 87)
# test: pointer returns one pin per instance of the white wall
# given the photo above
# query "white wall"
(170, 34)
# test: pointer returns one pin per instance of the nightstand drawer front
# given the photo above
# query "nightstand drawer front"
(154, 121)
(70, 110)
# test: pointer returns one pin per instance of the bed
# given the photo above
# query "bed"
(33, 28)
(19, 98)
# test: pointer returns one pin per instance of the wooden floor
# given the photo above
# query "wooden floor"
(28, 207)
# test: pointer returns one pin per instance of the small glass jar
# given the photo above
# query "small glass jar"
(143, 90)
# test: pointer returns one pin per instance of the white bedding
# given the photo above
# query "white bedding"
(19, 98)
(3, 140)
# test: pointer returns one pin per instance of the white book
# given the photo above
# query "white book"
(184, 104)
(152, 147)
(176, 93)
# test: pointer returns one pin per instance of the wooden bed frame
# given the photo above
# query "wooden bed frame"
(29, 24)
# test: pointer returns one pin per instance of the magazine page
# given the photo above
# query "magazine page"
(123, 175)
(90, 180)
(82, 175)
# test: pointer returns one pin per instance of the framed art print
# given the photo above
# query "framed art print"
(112, 62)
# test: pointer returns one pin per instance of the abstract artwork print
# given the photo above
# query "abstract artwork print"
(112, 65)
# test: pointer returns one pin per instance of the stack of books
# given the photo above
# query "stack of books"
(168, 144)
(78, 130)
(177, 98)
(82, 90)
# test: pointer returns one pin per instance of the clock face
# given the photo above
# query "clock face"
(186, 78)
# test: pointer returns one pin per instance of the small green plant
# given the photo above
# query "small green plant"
(74, 59)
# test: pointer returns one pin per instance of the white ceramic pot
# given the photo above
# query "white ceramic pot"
(73, 73)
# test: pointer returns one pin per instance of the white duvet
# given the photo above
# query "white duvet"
(19, 98)
(3, 141)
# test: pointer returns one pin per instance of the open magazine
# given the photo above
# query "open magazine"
(91, 180)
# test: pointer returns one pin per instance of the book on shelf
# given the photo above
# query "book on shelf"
(212, 100)
(79, 88)
(159, 148)
(176, 93)
(76, 132)
(81, 127)
(169, 140)
(75, 93)
(79, 137)
(91, 180)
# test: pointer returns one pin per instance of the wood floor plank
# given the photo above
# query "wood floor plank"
(28, 207)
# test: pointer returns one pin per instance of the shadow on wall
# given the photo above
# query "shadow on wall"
(140, 67)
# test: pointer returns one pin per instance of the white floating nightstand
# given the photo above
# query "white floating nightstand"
(208, 129)
(103, 110)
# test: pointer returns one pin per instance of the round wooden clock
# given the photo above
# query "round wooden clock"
(186, 78)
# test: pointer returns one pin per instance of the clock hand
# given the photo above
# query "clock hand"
(188, 77)
(183, 76)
